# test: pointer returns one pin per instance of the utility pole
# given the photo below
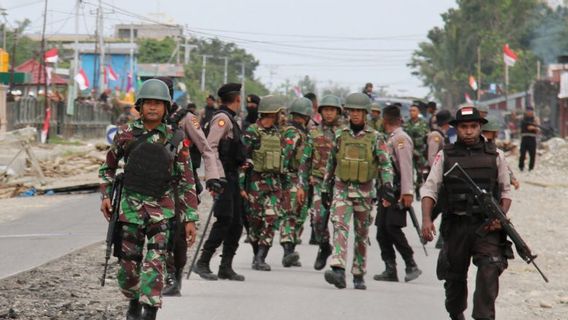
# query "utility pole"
(102, 47)
(72, 86)
(131, 51)
(43, 72)
(479, 73)
(242, 84)
(226, 72)
(187, 51)
(203, 67)
(4, 25)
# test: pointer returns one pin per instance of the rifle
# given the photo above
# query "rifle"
(493, 211)
(202, 237)
(115, 197)
(412, 215)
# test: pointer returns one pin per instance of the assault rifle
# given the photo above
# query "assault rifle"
(493, 211)
(115, 196)
(414, 219)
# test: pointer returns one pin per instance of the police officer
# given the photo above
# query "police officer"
(208, 111)
(359, 156)
(529, 131)
(312, 170)
(263, 189)
(417, 129)
(463, 217)
(391, 220)
(293, 214)
(224, 139)
(490, 130)
(198, 147)
(155, 155)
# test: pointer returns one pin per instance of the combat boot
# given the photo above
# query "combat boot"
(226, 270)
(202, 266)
(359, 283)
(134, 310)
(412, 271)
(290, 257)
(259, 259)
(149, 313)
(323, 253)
(297, 263)
(336, 277)
(171, 286)
(179, 277)
(457, 316)
(254, 246)
(313, 240)
(389, 274)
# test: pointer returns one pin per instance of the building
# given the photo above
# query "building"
(147, 31)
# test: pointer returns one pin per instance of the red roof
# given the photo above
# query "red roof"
(33, 67)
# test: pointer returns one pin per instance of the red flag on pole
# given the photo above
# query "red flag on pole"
(51, 55)
(45, 127)
(509, 56)
(111, 74)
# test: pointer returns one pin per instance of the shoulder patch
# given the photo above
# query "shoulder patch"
(221, 123)
(437, 139)
(195, 122)
(400, 143)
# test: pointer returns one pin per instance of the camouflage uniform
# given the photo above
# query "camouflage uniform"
(355, 199)
(417, 130)
(143, 216)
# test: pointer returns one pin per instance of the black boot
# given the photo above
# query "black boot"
(359, 283)
(457, 316)
(336, 277)
(389, 274)
(313, 240)
(412, 271)
(297, 263)
(440, 242)
(254, 246)
(202, 266)
(149, 313)
(259, 259)
(323, 253)
(171, 286)
(226, 269)
(179, 277)
(290, 257)
(134, 310)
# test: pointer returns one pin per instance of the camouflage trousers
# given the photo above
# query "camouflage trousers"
(342, 210)
(319, 212)
(141, 277)
(263, 216)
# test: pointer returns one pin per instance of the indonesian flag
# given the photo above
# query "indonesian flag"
(509, 56)
(48, 71)
(467, 111)
(82, 80)
(468, 98)
(45, 127)
(297, 91)
(473, 83)
(129, 82)
(51, 55)
(111, 74)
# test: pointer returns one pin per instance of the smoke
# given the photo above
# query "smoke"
(549, 37)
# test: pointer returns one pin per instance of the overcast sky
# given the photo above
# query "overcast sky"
(346, 42)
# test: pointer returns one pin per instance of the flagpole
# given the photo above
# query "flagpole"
(478, 73)
(506, 86)
(72, 92)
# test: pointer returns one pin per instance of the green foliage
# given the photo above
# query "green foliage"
(450, 55)
(156, 51)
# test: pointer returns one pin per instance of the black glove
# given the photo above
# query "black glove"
(214, 185)
(387, 193)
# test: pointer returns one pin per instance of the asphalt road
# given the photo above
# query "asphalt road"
(41, 229)
(302, 293)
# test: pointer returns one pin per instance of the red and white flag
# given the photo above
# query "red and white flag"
(51, 55)
(45, 127)
(509, 56)
(82, 80)
(111, 74)
(468, 98)
(297, 91)
(473, 83)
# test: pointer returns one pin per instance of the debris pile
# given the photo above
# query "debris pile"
(555, 153)
(72, 165)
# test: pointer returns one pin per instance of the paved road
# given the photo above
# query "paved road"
(41, 229)
(302, 293)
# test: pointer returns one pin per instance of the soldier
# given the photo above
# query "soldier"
(417, 129)
(483, 111)
(376, 120)
(293, 142)
(463, 218)
(224, 139)
(312, 170)
(252, 111)
(263, 168)
(198, 147)
(208, 111)
(529, 131)
(155, 155)
(316, 119)
(358, 157)
(489, 132)
(391, 220)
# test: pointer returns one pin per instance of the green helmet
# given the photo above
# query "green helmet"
(330, 101)
(491, 125)
(482, 108)
(375, 106)
(272, 104)
(153, 89)
(301, 106)
(359, 101)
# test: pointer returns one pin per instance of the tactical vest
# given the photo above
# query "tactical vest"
(525, 127)
(268, 158)
(322, 144)
(480, 162)
(299, 151)
(355, 159)
(232, 152)
(149, 166)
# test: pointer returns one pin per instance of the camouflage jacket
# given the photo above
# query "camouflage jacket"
(319, 143)
(417, 132)
(381, 156)
(137, 208)
(249, 180)
(377, 125)
(293, 144)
